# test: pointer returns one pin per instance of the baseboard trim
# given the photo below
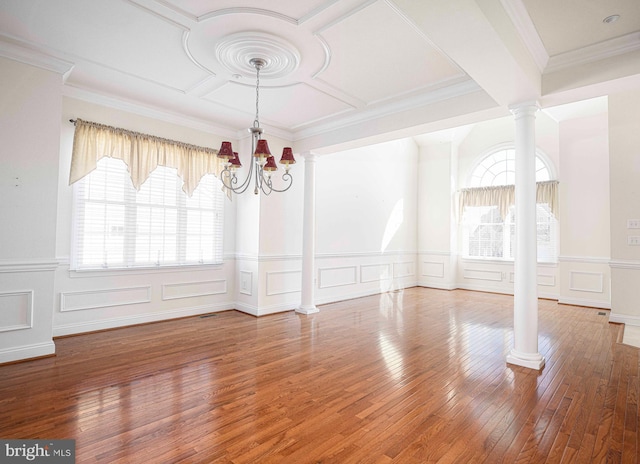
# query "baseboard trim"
(585, 302)
(106, 324)
(25, 352)
(624, 319)
(264, 310)
(438, 286)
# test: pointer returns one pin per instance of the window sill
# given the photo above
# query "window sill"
(505, 261)
(142, 270)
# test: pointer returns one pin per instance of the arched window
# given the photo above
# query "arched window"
(499, 168)
(488, 220)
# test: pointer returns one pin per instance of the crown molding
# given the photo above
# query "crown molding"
(109, 101)
(521, 20)
(24, 52)
(596, 52)
(411, 102)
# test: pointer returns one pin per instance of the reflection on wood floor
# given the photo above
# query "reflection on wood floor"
(408, 377)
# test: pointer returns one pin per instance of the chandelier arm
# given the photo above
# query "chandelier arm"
(234, 180)
(286, 177)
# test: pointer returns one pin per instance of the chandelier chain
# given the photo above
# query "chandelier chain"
(257, 121)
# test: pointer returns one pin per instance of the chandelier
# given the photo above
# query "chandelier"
(262, 163)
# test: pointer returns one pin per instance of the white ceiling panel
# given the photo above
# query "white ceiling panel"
(569, 25)
(117, 35)
(280, 106)
(294, 9)
(380, 68)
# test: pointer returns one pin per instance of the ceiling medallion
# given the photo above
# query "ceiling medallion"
(236, 51)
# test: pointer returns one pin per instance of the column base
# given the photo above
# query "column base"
(307, 309)
(529, 360)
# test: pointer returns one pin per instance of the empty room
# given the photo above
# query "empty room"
(346, 231)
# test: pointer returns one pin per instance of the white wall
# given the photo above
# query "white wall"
(584, 212)
(366, 220)
(624, 148)
(30, 132)
(437, 230)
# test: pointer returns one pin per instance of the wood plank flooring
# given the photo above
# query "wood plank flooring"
(415, 376)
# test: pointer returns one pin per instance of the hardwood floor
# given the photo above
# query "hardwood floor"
(415, 376)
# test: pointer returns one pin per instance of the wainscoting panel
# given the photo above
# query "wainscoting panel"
(193, 289)
(582, 281)
(246, 282)
(546, 280)
(93, 299)
(433, 269)
(481, 274)
(16, 310)
(375, 272)
(281, 282)
(337, 276)
(404, 269)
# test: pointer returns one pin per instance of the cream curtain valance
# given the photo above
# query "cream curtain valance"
(503, 197)
(141, 153)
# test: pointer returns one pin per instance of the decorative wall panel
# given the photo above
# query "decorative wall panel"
(404, 269)
(375, 272)
(337, 276)
(193, 289)
(246, 282)
(481, 274)
(16, 310)
(433, 269)
(93, 299)
(281, 282)
(586, 281)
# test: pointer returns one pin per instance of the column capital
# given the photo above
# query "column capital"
(524, 108)
(309, 156)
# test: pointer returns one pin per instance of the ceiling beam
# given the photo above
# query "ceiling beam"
(480, 37)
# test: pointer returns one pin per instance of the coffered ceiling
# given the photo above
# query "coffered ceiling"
(336, 69)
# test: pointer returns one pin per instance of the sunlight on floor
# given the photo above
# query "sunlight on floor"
(631, 335)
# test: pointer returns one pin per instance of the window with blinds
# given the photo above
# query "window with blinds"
(115, 226)
(486, 235)
(485, 232)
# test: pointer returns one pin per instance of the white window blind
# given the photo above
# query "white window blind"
(115, 226)
(486, 235)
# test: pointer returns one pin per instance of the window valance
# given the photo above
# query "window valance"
(141, 153)
(503, 196)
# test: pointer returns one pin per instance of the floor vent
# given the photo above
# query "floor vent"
(208, 315)
(600, 313)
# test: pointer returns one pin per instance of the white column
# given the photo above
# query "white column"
(525, 321)
(307, 305)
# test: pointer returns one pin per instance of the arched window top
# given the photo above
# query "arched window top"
(498, 168)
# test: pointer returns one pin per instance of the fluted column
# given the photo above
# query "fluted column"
(307, 305)
(525, 321)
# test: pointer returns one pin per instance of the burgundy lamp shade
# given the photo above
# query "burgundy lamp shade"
(270, 166)
(287, 156)
(262, 149)
(225, 152)
(235, 161)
